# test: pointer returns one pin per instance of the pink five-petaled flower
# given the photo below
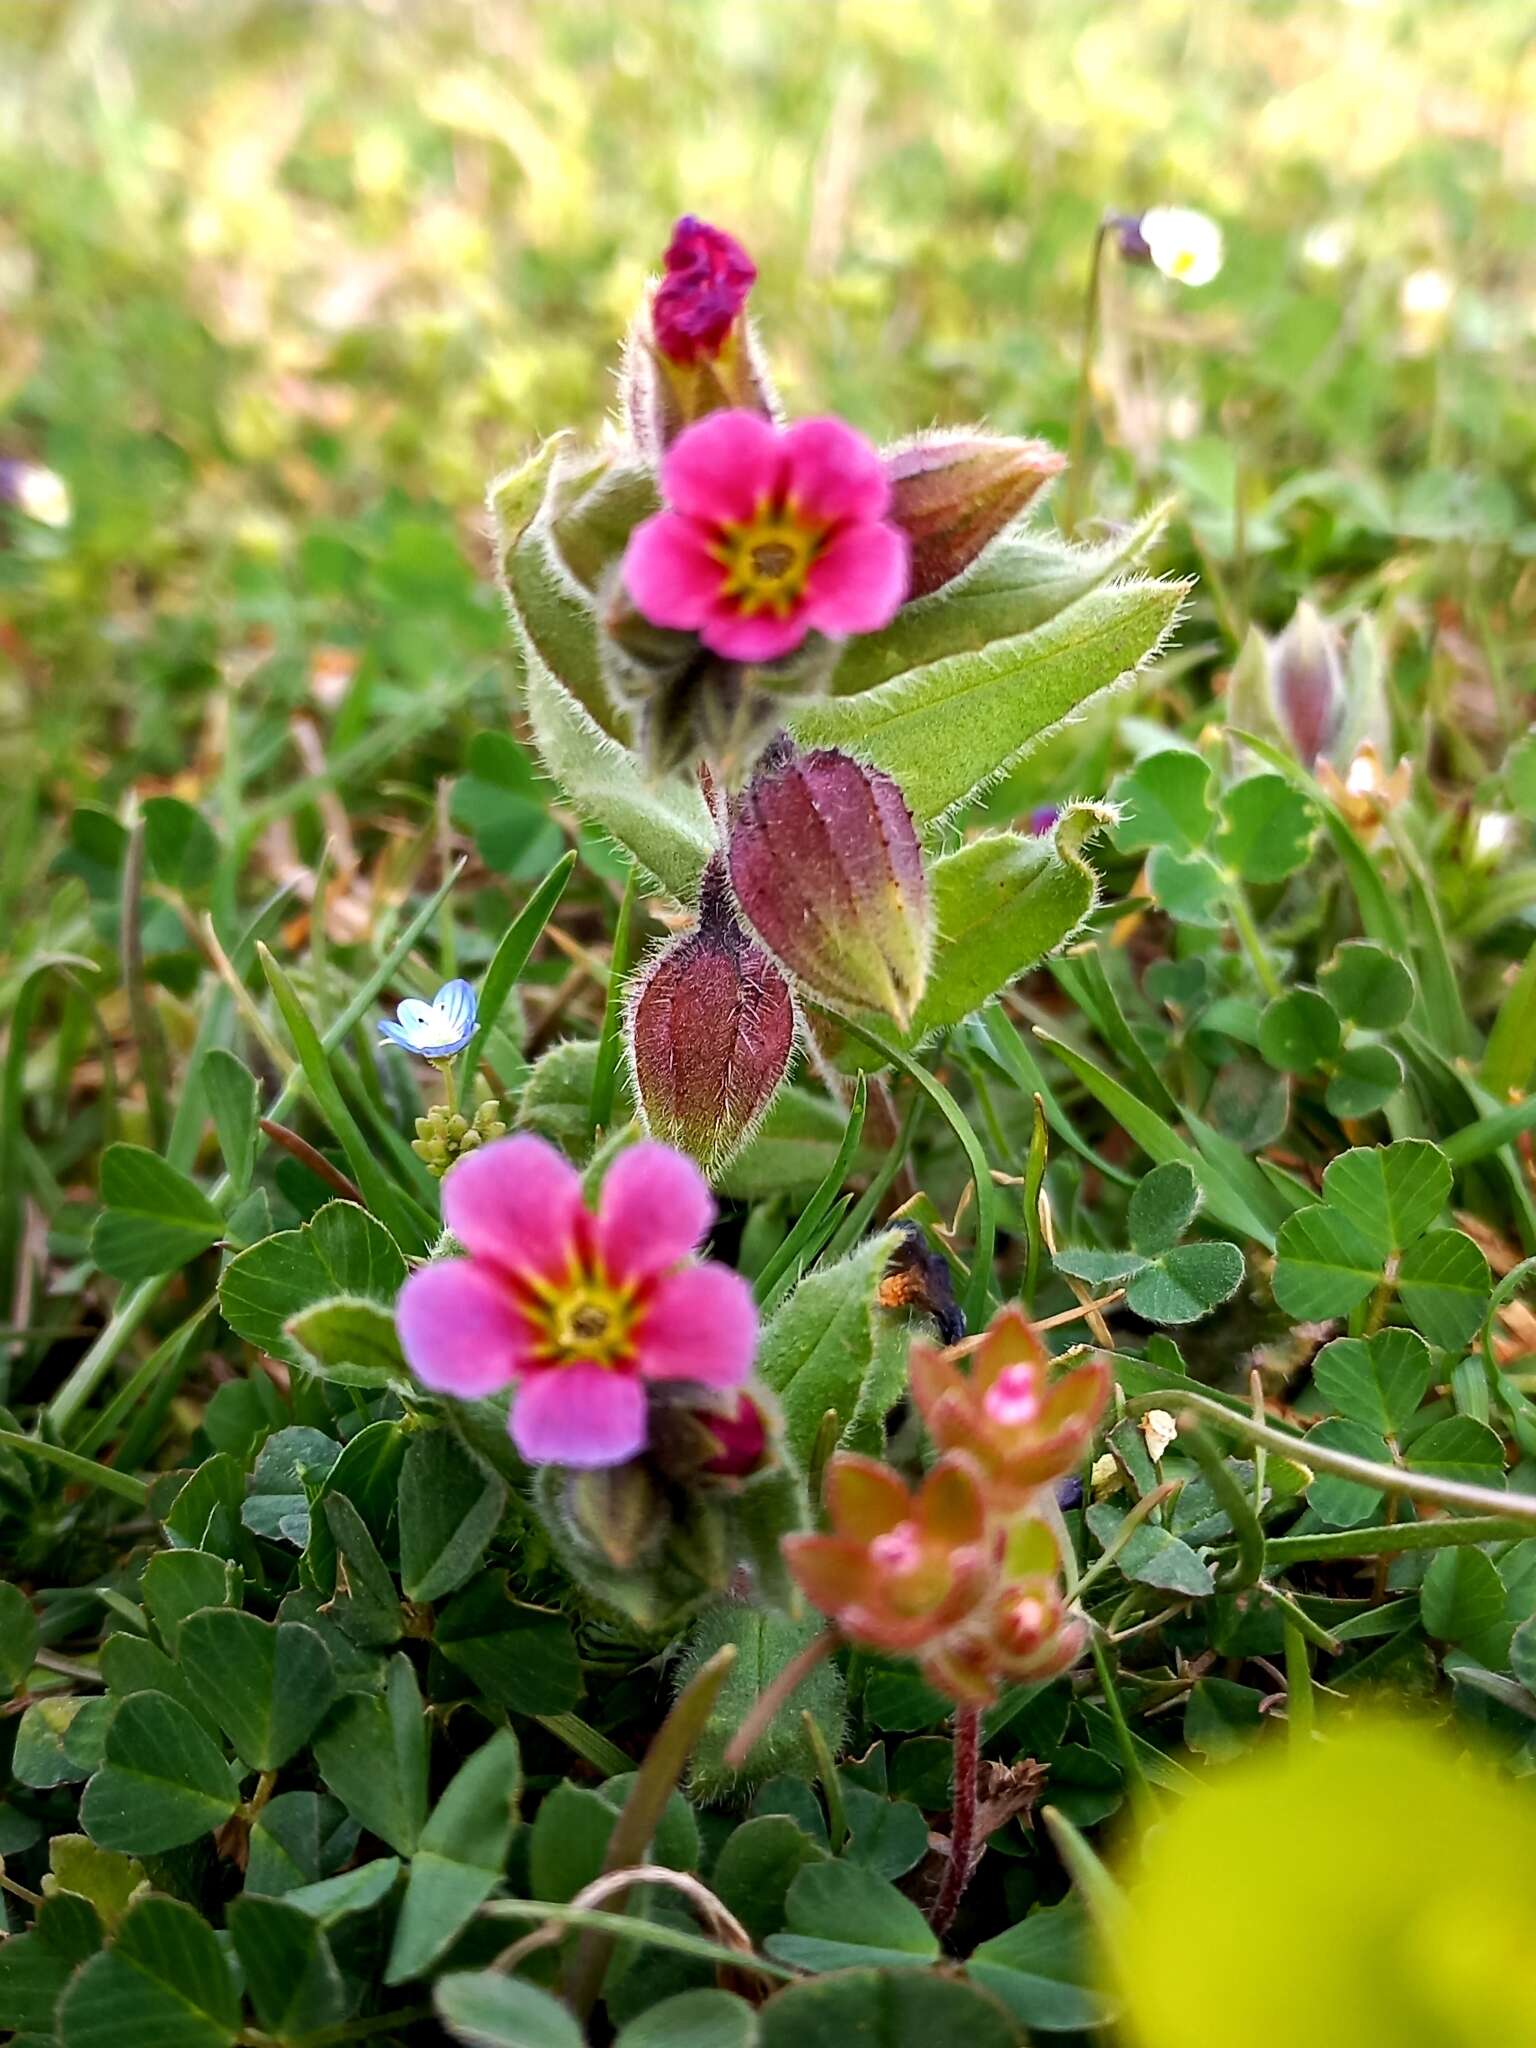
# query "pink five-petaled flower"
(709, 275)
(1023, 1428)
(578, 1309)
(767, 533)
(901, 1570)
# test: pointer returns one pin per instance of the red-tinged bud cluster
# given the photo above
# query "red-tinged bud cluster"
(702, 295)
(710, 1033)
(953, 494)
(903, 1570)
(964, 1573)
(1023, 1428)
(826, 866)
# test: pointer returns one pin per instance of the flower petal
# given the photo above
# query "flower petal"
(864, 1498)
(396, 1034)
(832, 473)
(415, 1015)
(858, 582)
(669, 571)
(460, 1329)
(718, 469)
(517, 1202)
(579, 1415)
(654, 1209)
(455, 1004)
(829, 1570)
(700, 1324)
(752, 636)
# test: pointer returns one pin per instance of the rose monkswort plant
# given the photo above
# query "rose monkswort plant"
(576, 1309)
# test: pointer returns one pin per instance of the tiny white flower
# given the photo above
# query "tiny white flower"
(1182, 243)
(1327, 245)
(1495, 829)
(1425, 295)
(1159, 1429)
(41, 493)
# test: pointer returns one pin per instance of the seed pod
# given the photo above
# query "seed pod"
(710, 1031)
(826, 867)
(953, 494)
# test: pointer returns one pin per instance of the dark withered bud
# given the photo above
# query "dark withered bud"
(710, 1031)
(953, 494)
(917, 1277)
(826, 866)
(692, 350)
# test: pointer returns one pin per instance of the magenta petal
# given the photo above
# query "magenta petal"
(858, 583)
(579, 1415)
(655, 1207)
(758, 636)
(669, 571)
(833, 474)
(718, 469)
(700, 1324)
(518, 1202)
(460, 1330)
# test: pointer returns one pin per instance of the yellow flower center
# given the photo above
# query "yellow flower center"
(767, 558)
(585, 1319)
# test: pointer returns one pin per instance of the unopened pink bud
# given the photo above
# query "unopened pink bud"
(953, 494)
(699, 300)
(710, 1033)
(742, 1435)
(826, 866)
(1014, 1397)
(1307, 681)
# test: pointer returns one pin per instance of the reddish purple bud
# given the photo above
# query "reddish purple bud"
(1307, 683)
(741, 1434)
(953, 494)
(827, 869)
(697, 303)
(1132, 243)
(710, 1033)
(1042, 820)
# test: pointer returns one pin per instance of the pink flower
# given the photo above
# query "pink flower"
(578, 1310)
(766, 534)
(709, 275)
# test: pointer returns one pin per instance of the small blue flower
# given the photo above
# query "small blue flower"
(439, 1029)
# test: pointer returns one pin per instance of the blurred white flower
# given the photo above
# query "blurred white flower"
(1495, 829)
(41, 494)
(1327, 245)
(1182, 243)
(1425, 295)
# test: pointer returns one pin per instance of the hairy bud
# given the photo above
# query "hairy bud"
(710, 1031)
(1307, 684)
(825, 863)
(692, 350)
(953, 494)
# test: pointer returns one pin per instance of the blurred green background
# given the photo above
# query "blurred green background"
(281, 284)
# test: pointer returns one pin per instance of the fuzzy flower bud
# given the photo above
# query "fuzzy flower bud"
(825, 863)
(710, 1031)
(697, 303)
(1023, 1428)
(953, 494)
(1307, 684)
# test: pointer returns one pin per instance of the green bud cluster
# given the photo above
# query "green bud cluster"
(444, 1135)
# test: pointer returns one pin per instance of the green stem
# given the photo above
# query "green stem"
(1451, 1493)
(1248, 1566)
(1391, 1538)
(1248, 931)
(141, 1011)
(1078, 467)
(1125, 1532)
(605, 1074)
(1301, 1705)
(84, 1470)
(1142, 1803)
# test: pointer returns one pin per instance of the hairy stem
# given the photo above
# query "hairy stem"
(962, 1830)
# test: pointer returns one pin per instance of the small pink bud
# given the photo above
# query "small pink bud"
(742, 1436)
(697, 303)
(1307, 683)
(1014, 1397)
(826, 866)
(953, 494)
(710, 1033)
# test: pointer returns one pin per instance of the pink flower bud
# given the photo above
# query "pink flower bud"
(708, 277)
(1307, 683)
(953, 494)
(737, 1426)
(710, 1033)
(826, 866)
